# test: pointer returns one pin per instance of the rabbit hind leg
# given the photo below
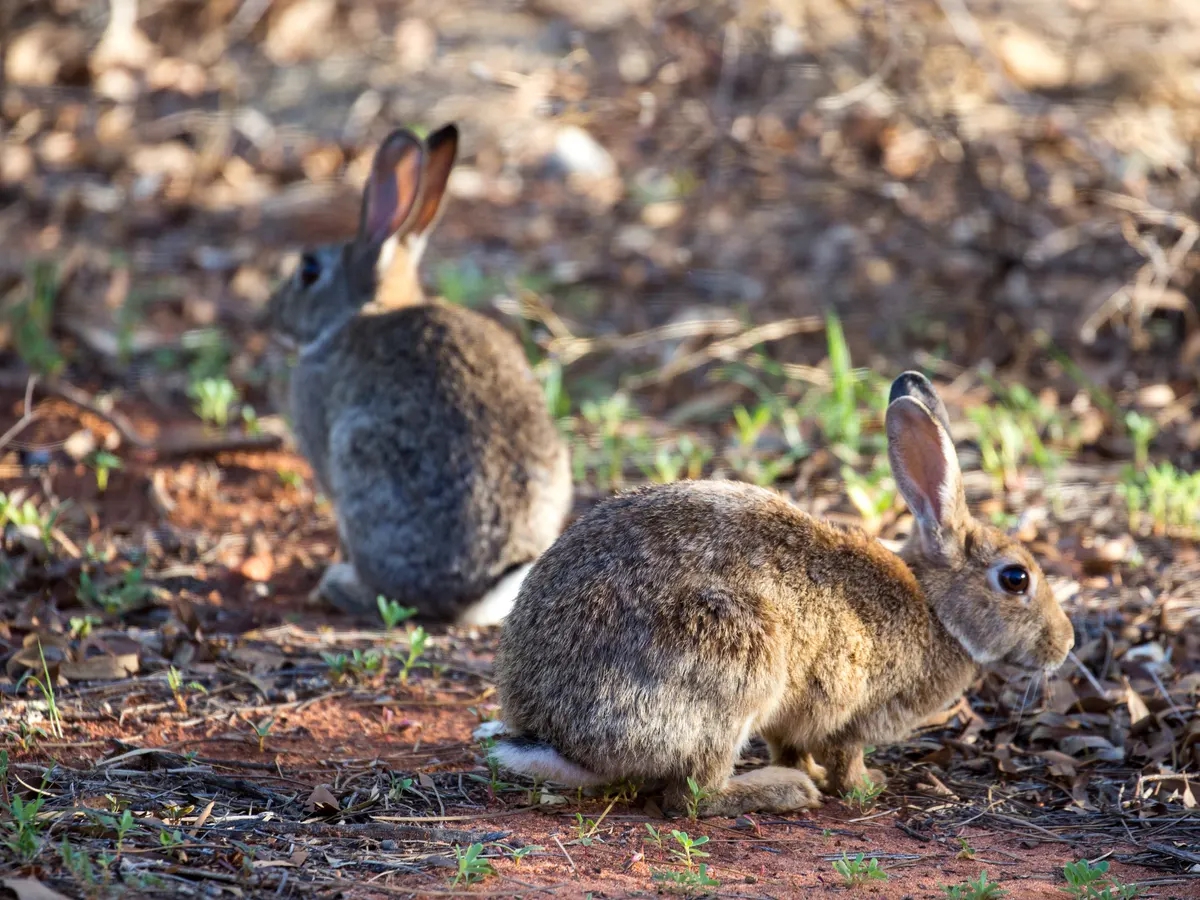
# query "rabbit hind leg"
(793, 757)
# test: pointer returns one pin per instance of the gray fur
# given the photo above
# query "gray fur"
(423, 422)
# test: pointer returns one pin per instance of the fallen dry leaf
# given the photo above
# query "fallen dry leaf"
(1094, 745)
(258, 568)
(1061, 765)
(110, 667)
(1138, 710)
(322, 800)
(40, 653)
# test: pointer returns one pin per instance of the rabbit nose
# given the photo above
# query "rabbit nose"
(1066, 634)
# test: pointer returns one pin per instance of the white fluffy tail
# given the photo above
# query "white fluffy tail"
(496, 604)
(540, 760)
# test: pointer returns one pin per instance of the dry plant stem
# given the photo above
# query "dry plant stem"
(1150, 289)
(865, 89)
(26, 415)
(1087, 673)
(727, 349)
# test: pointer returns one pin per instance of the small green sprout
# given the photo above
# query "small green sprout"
(864, 794)
(979, 889)
(687, 852)
(472, 867)
(855, 871)
(417, 639)
(392, 612)
(104, 463)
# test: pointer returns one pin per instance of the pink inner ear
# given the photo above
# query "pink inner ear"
(916, 444)
(392, 189)
(437, 172)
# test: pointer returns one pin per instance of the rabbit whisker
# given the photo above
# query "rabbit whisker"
(1029, 690)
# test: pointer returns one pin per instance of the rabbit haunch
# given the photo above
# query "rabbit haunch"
(669, 624)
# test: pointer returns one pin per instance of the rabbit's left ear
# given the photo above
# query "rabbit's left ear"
(925, 464)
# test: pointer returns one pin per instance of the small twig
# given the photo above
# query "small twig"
(728, 349)
(865, 89)
(1174, 852)
(1087, 673)
(467, 818)
(1024, 823)
(207, 445)
(570, 861)
(913, 833)
(1162, 689)
(203, 817)
(26, 415)
(375, 830)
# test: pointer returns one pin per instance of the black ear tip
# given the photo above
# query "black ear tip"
(915, 385)
(397, 144)
(448, 133)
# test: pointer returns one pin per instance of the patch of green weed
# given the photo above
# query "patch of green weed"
(855, 870)
(979, 889)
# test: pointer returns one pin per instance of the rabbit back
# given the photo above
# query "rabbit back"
(430, 433)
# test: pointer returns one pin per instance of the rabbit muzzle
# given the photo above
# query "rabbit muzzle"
(1049, 650)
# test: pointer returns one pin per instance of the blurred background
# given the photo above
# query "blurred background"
(721, 229)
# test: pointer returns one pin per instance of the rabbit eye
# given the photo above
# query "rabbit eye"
(1013, 579)
(310, 270)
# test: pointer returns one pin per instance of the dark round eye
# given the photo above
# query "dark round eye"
(1014, 579)
(310, 270)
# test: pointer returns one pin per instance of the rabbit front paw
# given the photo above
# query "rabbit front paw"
(847, 771)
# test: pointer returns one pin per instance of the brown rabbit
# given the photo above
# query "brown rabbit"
(423, 422)
(670, 624)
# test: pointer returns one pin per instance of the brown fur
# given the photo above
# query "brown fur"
(671, 623)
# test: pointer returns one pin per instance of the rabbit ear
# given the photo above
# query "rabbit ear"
(917, 386)
(925, 464)
(392, 189)
(442, 148)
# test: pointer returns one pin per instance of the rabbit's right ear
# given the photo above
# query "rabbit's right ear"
(393, 188)
(442, 147)
(925, 464)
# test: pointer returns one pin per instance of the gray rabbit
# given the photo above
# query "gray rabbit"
(423, 422)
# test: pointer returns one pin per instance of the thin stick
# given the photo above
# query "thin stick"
(26, 416)
(865, 89)
(570, 861)
(728, 349)
(1087, 674)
